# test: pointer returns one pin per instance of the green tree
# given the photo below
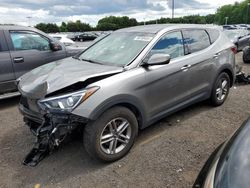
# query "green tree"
(113, 22)
(72, 27)
(236, 13)
(42, 27)
(63, 27)
(48, 28)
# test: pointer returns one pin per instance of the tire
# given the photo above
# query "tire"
(81, 40)
(246, 55)
(100, 130)
(220, 89)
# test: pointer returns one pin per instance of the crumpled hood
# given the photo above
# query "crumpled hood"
(60, 74)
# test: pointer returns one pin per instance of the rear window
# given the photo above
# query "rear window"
(214, 34)
(196, 40)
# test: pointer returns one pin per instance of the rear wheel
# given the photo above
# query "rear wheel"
(220, 89)
(111, 136)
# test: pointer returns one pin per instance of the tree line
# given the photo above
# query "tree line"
(236, 13)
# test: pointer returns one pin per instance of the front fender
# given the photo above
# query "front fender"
(122, 100)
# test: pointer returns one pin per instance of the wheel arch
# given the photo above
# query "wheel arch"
(230, 74)
(229, 70)
(127, 101)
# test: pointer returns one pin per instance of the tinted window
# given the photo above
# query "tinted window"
(29, 41)
(196, 39)
(171, 43)
(214, 34)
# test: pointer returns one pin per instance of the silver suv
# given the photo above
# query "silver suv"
(124, 83)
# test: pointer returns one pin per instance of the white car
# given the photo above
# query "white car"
(63, 39)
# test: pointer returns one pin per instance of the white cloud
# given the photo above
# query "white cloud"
(43, 11)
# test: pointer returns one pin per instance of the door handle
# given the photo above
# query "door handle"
(185, 68)
(18, 60)
(216, 55)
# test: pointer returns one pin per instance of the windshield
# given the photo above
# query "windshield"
(117, 49)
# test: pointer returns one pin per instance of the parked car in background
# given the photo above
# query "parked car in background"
(240, 37)
(246, 54)
(85, 37)
(63, 39)
(72, 35)
(126, 82)
(228, 165)
(23, 49)
(229, 27)
(237, 26)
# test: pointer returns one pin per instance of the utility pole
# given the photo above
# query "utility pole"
(172, 9)
(248, 4)
(29, 17)
(226, 20)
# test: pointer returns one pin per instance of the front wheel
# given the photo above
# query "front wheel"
(112, 135)
(220, 89)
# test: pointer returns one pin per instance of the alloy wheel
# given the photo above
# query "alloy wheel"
(115, 136)
(222, 89)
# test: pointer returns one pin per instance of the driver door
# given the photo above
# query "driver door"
(30, 50)
(167, 84)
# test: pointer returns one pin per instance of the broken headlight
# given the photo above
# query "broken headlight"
(67, 102)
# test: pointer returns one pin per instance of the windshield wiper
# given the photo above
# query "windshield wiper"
(92, 61)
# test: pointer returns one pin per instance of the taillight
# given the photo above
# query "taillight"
(234, 49)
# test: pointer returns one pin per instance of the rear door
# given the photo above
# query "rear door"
(29, 50)
(200, 62)
(7, 75)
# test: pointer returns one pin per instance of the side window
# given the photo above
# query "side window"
(214, 34)
(171, 43)
(25, 40)
(196, 40)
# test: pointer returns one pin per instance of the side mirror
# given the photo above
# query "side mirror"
(158, 59)
(55, 46)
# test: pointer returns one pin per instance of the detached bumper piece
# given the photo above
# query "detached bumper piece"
(241, 77)
(53, 130)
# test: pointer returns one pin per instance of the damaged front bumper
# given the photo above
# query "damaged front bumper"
(50, 130)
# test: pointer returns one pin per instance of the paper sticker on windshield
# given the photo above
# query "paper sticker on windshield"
(143, 38)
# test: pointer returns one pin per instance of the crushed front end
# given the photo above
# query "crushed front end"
(51, 121)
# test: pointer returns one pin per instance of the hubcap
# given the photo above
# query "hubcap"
(115, 136)
(222, 89)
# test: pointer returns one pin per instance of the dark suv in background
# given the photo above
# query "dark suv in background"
(23, 49)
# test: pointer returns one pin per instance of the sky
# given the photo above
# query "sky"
(90, 11)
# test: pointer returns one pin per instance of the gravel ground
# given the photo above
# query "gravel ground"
(167, 154)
